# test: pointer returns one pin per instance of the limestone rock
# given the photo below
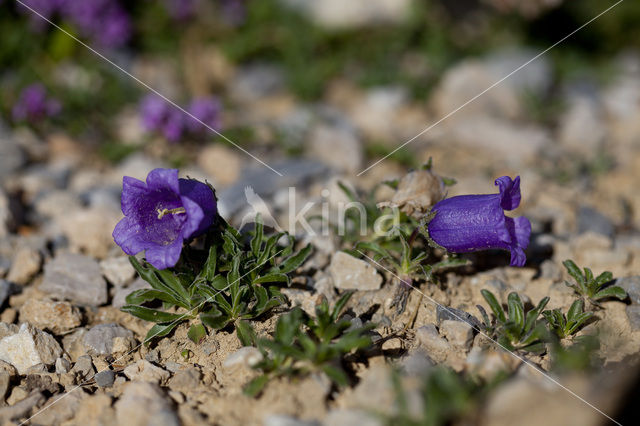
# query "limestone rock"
(76, 278)
(143, 404)
(25, 265)
(57, 317)
(29, 347)
(117, 270)
(102, 339)
(350, 273)
(144, 371)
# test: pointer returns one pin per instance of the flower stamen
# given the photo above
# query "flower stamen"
(163, 212)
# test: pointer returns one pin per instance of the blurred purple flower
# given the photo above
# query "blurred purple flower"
(206, 110)
(46, 8)
(180, 9)
(33, 104)
(103, 21)
(234, 11)
(161, 213)
(477, 222)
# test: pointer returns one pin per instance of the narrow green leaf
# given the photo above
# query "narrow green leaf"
(197, 333)
(246, 334)
(258, 235)
(604, 278)
(153, 315)
(159, 330)
(294, 262)
(516, 309)
(494, 305)
(273, 278)
(613, 291)
(336, 375)
(576, 308)
(214, 319)
(209, 269)
(138, 297)
(574, 271)
(255, 386)
(340, 304)
(533, 314)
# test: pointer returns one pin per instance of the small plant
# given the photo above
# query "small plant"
(446, 397)
(302, 345)
(236, 282)
(563, 325)
(515, 329)
(591, 287)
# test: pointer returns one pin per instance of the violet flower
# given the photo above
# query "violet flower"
(104, 21)
(206, 110)
(34, 104)
(477, 222)
(161, 213)
(180, 10)
(158, 115)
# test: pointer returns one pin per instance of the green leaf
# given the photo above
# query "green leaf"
(214, 319)
(141, 296)
(604, 278)
(339, 305)
(209, 269)
(246, 334)
(273, 278)
(258, 235)
(197, 333)
(575, 272)
(255, 386)
(533, 314)
(576, 308)
(494, 305)
(294, 262)
(150, 276)
(516, 309)
(153, 315)
(613, 291)
(159, 330)
(336, 375)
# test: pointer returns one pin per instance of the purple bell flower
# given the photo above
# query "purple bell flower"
(477, 222)
(161, 213)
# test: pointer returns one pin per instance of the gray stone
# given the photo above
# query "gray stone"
(144, 371)
(105, 379)
(63, 366)
(591, 220)
(266, 183)
(246, 356)
(57, 317)
(143, 404)
(354, 13)
(436, 346)
(89, 230)
(338, 146)
(83, 368)
(60, 408)
(459, 334)
(633, 314)
(99, 340)
(117, 270)
(416, 363)
(444, 313)
(349, 417)
(29, 347)
(582, 128)
(632, 286)
(25, 265)
(5, 214)
(21, 408)
(350, 273)
(121, 293)
(257, 81)
(283, 420)
(11, 156)
(76, 278)
(5, 290)
(185, 380)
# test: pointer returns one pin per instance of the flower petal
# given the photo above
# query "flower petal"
(204, 196)
(163, 257)
(195, 217)
(520, 230)
(163, 179)
(132, 192)
(127, 234)
(509, 192)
